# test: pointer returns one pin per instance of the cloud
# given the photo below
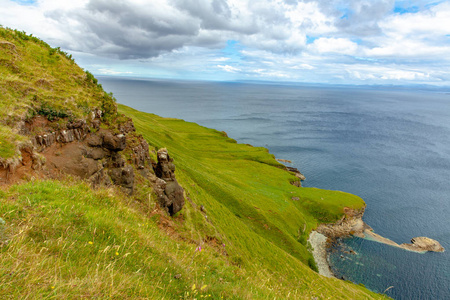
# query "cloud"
(228, 68)
(221, 59)
(303, 40)
(303, 67)
(334, 45)
(113, 72)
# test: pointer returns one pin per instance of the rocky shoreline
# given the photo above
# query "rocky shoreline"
(318, 243)
(351, 224)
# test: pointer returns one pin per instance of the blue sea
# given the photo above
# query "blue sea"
(390, 146)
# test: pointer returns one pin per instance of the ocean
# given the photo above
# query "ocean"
(390, 146)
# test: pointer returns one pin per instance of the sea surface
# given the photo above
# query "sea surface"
(390, 146)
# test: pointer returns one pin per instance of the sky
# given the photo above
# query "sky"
(309, 41)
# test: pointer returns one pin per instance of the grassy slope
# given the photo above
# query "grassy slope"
(67, 241)
(248, 203)
(63, 240)
(33, 77)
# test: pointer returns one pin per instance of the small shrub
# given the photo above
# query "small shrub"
(109, 107)
(302, 240)
(51, 113)
(90, 78)
(312, 264)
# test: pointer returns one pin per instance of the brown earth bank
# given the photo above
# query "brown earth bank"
(103, 154)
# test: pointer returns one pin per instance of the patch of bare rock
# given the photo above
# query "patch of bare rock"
(104, 156)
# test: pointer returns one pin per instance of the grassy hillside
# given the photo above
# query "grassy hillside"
(241, 235)
(38, 79)
(64, 240)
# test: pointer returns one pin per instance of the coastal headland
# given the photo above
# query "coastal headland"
(352, 225)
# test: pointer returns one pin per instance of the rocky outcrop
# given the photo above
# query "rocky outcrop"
(352, 224)
(300, 176)
(296, 173)
(423, 244)
(170, 193)
(74, 131)
(104, 157)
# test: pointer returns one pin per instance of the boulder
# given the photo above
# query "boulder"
(96, 153)
(94, 140)
(114, 142)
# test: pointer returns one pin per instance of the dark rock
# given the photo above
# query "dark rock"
(96, 153)
(165, 169)
(123, 177)
(141, 154)
(296, 173)
(175, 193)
(94, 140)
(116, 160)
(100, 178)
(173, 197)
(114, 143)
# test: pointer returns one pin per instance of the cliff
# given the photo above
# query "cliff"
(100, 200)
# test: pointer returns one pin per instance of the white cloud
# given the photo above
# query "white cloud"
(312, 40)
(113, 72)
(220, 59)
(228, 68)
(334, 45)
(303, 67)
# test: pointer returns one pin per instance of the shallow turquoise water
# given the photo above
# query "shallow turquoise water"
(389, 146)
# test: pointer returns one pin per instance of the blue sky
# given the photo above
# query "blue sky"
(333, 41)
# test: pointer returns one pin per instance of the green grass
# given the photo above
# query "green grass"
(248, 200)
(8, 143)
(63, 240)
(38, 79)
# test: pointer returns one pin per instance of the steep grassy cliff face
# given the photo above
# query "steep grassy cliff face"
(241, 234)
